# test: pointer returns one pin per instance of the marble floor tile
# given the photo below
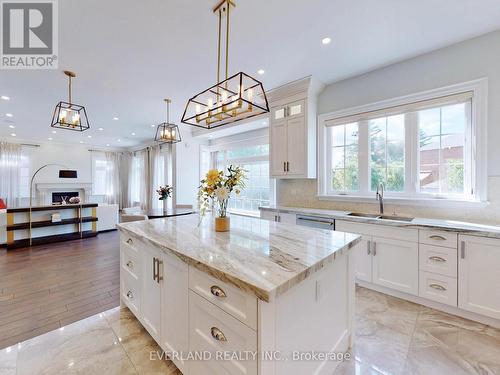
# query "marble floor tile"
(392, 337)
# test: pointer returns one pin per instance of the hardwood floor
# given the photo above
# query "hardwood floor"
(46, 287)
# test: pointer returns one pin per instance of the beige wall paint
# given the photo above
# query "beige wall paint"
(466, 61)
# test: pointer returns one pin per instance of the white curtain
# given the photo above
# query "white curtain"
(160, 165)
(10, 176)
(112, 178)
(138, 177)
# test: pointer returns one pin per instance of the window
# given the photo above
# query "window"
(253, 156)
(418, 149)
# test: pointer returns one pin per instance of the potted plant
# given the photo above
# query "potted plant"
(216, 188)
(165, 192)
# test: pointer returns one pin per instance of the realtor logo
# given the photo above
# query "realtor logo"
(29, 34)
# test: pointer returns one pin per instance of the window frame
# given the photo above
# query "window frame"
(476, 148)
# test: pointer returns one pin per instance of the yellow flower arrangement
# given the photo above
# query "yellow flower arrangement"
(216, 187)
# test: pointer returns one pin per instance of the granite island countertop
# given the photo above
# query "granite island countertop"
(261, 257)
(472, 229)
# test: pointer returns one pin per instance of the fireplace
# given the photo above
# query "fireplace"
(57, 197)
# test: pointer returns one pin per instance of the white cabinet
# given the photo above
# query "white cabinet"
(174, 309)
(152, 267)
(293, 129)
(395, 264)
(479, 275)
(280, 217)
(363, 260)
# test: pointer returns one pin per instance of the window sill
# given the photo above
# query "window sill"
(434, 202)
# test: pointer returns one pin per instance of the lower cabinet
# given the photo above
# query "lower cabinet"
(479, 275)
(395, 264)
(363, 260)
(152, 265)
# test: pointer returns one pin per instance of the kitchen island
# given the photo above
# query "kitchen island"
(260, 299)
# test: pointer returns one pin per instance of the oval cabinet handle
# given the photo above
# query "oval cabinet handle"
(217, 334)
(130, 295)
(437, 237)
(437, 287)
(218, 292)
(130, 264)
(437, 259)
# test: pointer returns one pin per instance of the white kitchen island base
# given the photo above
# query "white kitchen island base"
(210, 322)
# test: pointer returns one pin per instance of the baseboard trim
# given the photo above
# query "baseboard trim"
(432, 304)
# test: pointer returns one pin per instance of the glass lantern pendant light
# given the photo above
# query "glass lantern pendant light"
(236, 98)
(168, 132)
(68, 115)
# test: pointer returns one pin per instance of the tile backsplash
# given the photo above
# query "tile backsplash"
(302, 193)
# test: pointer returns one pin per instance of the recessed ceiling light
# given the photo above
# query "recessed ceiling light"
(11, 126)
(326, 40)
(89, 136)
(119, 140)
(153, 125)
(4, 97)
(107, 144)
(50, 138)
(133, 133)
(13, 134)
(9, 115)
(81, 141)
(261, 71)
(54, 132)
(100, 129)
(115, 118)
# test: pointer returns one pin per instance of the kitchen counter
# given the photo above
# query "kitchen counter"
(471, 229)
(261, 257)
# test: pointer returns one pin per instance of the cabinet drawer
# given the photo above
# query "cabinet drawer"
(129, 243)
(131, 293)
(232, 300)
(438, 238)
(130, 261)
(213, 330)
(402, 234)
(438, 288)
(437, 259)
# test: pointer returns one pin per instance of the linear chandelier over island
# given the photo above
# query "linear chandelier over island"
(236, 98)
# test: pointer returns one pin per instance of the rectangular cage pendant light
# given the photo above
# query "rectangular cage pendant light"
(237, 98)
(70, 116)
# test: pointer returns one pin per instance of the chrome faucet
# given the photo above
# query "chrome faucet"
(380, 196)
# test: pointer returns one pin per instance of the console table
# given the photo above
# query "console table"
(77, 221)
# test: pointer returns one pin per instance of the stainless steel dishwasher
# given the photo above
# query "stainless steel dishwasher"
(316, 221)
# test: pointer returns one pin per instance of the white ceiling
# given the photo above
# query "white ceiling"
(130, 54)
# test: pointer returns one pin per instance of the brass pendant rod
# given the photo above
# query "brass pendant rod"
(167, 101)
(219, 45)
(69, 90)
(227, 39)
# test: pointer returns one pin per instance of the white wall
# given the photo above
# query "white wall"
(466, 61)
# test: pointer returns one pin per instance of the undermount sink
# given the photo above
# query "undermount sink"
(396, 218)
(381, 217)
(358, 214)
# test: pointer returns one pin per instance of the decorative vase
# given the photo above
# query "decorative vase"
(222, 224)
(165, 205)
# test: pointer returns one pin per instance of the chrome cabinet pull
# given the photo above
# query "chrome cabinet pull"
(218, 292)
(462, 249)
(154, 268)
(130, 264)
(159, 270)
(129, 241)
(217, 334)
(284, 166)
(374, 248)
(368, 246)
(288, 166)
(437, 237)
(437, 287)
(130, 295)
(437, 259)
(279, 219)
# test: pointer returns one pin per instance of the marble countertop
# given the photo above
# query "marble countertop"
(462, 227)
(259, 256)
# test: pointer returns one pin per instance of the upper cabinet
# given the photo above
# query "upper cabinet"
(293, 129)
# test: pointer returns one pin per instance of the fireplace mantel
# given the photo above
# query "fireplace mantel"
(44, 190)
